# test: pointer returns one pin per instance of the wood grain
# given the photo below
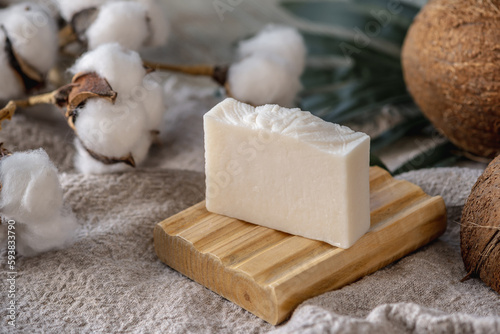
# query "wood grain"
(269, 273)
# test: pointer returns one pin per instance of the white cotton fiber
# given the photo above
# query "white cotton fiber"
(11, 85)
(122, 22)
(30, 186)
(85, 164)
(141, 147)
(43, 235)
(50, 6)
(158, 24)
(281, 41)
(122, 68)
(115, 130)
(88, 165)
(109, 129)
(153, 103)
(133, 24)
(33, 33)
(260, 80)
(270, 67)
(68, 8)
(31, 195)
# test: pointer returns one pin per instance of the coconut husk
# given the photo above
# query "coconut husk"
(480, 228)
(451, 63)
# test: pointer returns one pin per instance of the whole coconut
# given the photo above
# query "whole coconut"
(480, 228)
(451, 65)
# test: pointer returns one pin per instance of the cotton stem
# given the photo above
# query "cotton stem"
(9, 110)
(67, 35)
(217, 73)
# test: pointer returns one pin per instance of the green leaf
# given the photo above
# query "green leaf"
(338, 94)
(438, 156)
(347, 100)
(361, 19)
(351, 89)
(322, 77)
(314, 9)
(359, 99)
(320, 45)
(372, 110)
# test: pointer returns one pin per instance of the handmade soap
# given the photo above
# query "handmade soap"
(287, 170)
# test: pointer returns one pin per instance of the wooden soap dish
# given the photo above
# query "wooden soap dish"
(269, 273)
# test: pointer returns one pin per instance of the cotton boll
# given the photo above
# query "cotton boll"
(120, 67)
(68, 8)
(109, 129)
(47, 184)
(33, 33)
(85, 164)
(141, 148)
(44, 235)
(160, 29)
(123, 128)
(123, 22)
(281, 41)
(153, 103)
(288, 99)
(51, 7)
(30, 186)
(31, 195)
(11, 85)
(262, 80)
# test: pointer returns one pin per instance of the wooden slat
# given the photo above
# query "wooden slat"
(269, 272)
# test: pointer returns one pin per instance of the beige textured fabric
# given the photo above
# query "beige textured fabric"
(110, 280)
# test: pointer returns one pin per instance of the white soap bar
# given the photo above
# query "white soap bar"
(287, 170)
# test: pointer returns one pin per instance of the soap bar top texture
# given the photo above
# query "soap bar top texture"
(288, 170)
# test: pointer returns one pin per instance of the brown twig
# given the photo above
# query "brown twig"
(202, 70)
(74, 30)
(67, 35)
(9, 110)
(128, 159)
(84, 86)
(217, 72)
(4, 152)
